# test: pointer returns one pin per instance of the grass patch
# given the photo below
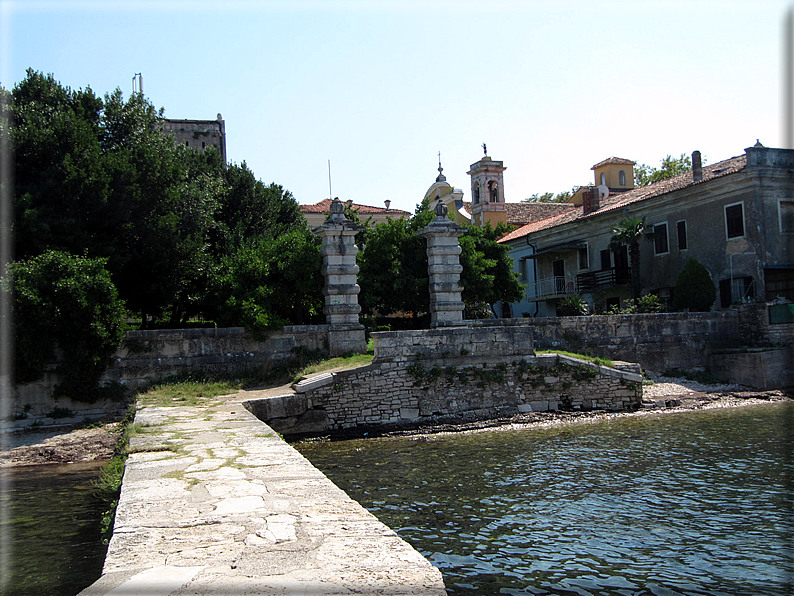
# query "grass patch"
(108, 486)
(351, 361)
(199, 392)
(594, 359)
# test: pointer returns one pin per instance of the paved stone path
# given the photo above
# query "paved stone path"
(214, 502)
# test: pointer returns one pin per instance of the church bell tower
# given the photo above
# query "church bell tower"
(487, 191)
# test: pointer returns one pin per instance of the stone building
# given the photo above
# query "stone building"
(199, 134)
(736, 217)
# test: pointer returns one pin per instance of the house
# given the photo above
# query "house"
(317, 213)
(736, 217)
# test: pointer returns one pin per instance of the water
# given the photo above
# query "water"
(695, 503)
(53, 520)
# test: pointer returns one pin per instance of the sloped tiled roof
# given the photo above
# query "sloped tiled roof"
(324, 206)
(620, 200)
(519, 214)
(614, 160)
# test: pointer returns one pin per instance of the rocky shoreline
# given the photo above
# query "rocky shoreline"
(73, 445)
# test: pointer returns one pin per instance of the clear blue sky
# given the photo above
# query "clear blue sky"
(379, 88)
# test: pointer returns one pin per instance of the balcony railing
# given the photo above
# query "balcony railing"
(550, 287)
(587, 282)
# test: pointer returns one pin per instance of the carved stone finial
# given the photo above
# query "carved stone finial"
(441, 209)
(337, 206)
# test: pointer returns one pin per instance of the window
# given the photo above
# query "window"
(660, 245)
(603, 178)
(622, 178)
(523, 269)
(606, 260)
(681, 230)
(736, 290)
(584, 258)
(734, 220)
(787, 217)
(476, 192)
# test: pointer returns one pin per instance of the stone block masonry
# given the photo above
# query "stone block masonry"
(450, 375)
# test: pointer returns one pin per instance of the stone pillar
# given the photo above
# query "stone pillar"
(444, 269)
(346, 333)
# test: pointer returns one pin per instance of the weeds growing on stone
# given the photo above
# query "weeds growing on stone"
(594, 359)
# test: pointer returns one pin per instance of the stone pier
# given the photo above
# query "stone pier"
(338, 236)
(444, 269)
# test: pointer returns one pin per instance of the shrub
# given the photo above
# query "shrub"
(694, 289)
(70, 302)
(644, 304)
(572, 306)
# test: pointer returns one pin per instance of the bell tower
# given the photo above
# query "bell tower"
(487, 191)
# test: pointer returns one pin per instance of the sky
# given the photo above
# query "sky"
(379, 88)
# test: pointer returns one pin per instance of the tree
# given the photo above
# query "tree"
(488, 275)
(549, 197)
(393, 266)
(628, 233)
(694, 289)
(670, 166)
(270, 282)
(67, 302)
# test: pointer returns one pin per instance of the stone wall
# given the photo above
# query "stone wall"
(657, 341)
(148, 356)
(450, 375)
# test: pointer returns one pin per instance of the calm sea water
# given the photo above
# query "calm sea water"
(52, 529)
(696, 503)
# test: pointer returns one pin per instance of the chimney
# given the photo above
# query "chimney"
(387, 202)
(590, 200)
(697, 167)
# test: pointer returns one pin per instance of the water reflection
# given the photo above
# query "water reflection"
(54, 522)
(686, 503)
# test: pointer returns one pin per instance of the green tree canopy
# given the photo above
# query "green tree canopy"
(69, 302)
(549, 197)
(694, 289)
(628, 232)
(100, 177)
(393, 267)
(670, 166)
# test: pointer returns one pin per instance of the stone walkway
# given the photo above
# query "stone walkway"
(214, 502)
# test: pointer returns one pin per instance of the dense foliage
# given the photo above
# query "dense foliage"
(694, 289)
(393, 268)
(100, 189)
(100, 178)
(670, 166)
(64, 300)
(628, 232)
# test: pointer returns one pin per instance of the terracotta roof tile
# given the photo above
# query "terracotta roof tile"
(614, 160)
(324, 206)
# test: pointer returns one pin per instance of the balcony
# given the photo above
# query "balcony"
(550, 288)
(597, 280)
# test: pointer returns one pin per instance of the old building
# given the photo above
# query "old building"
(736, 217)
(199, 134)
(317, 213)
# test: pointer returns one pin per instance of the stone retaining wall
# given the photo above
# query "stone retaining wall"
(151, 355)
(450, 375)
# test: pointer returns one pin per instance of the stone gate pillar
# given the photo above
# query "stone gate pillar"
(346, 333)
(444, 268)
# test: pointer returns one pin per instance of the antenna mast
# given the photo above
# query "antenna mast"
(139, 78)
(330, 192)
